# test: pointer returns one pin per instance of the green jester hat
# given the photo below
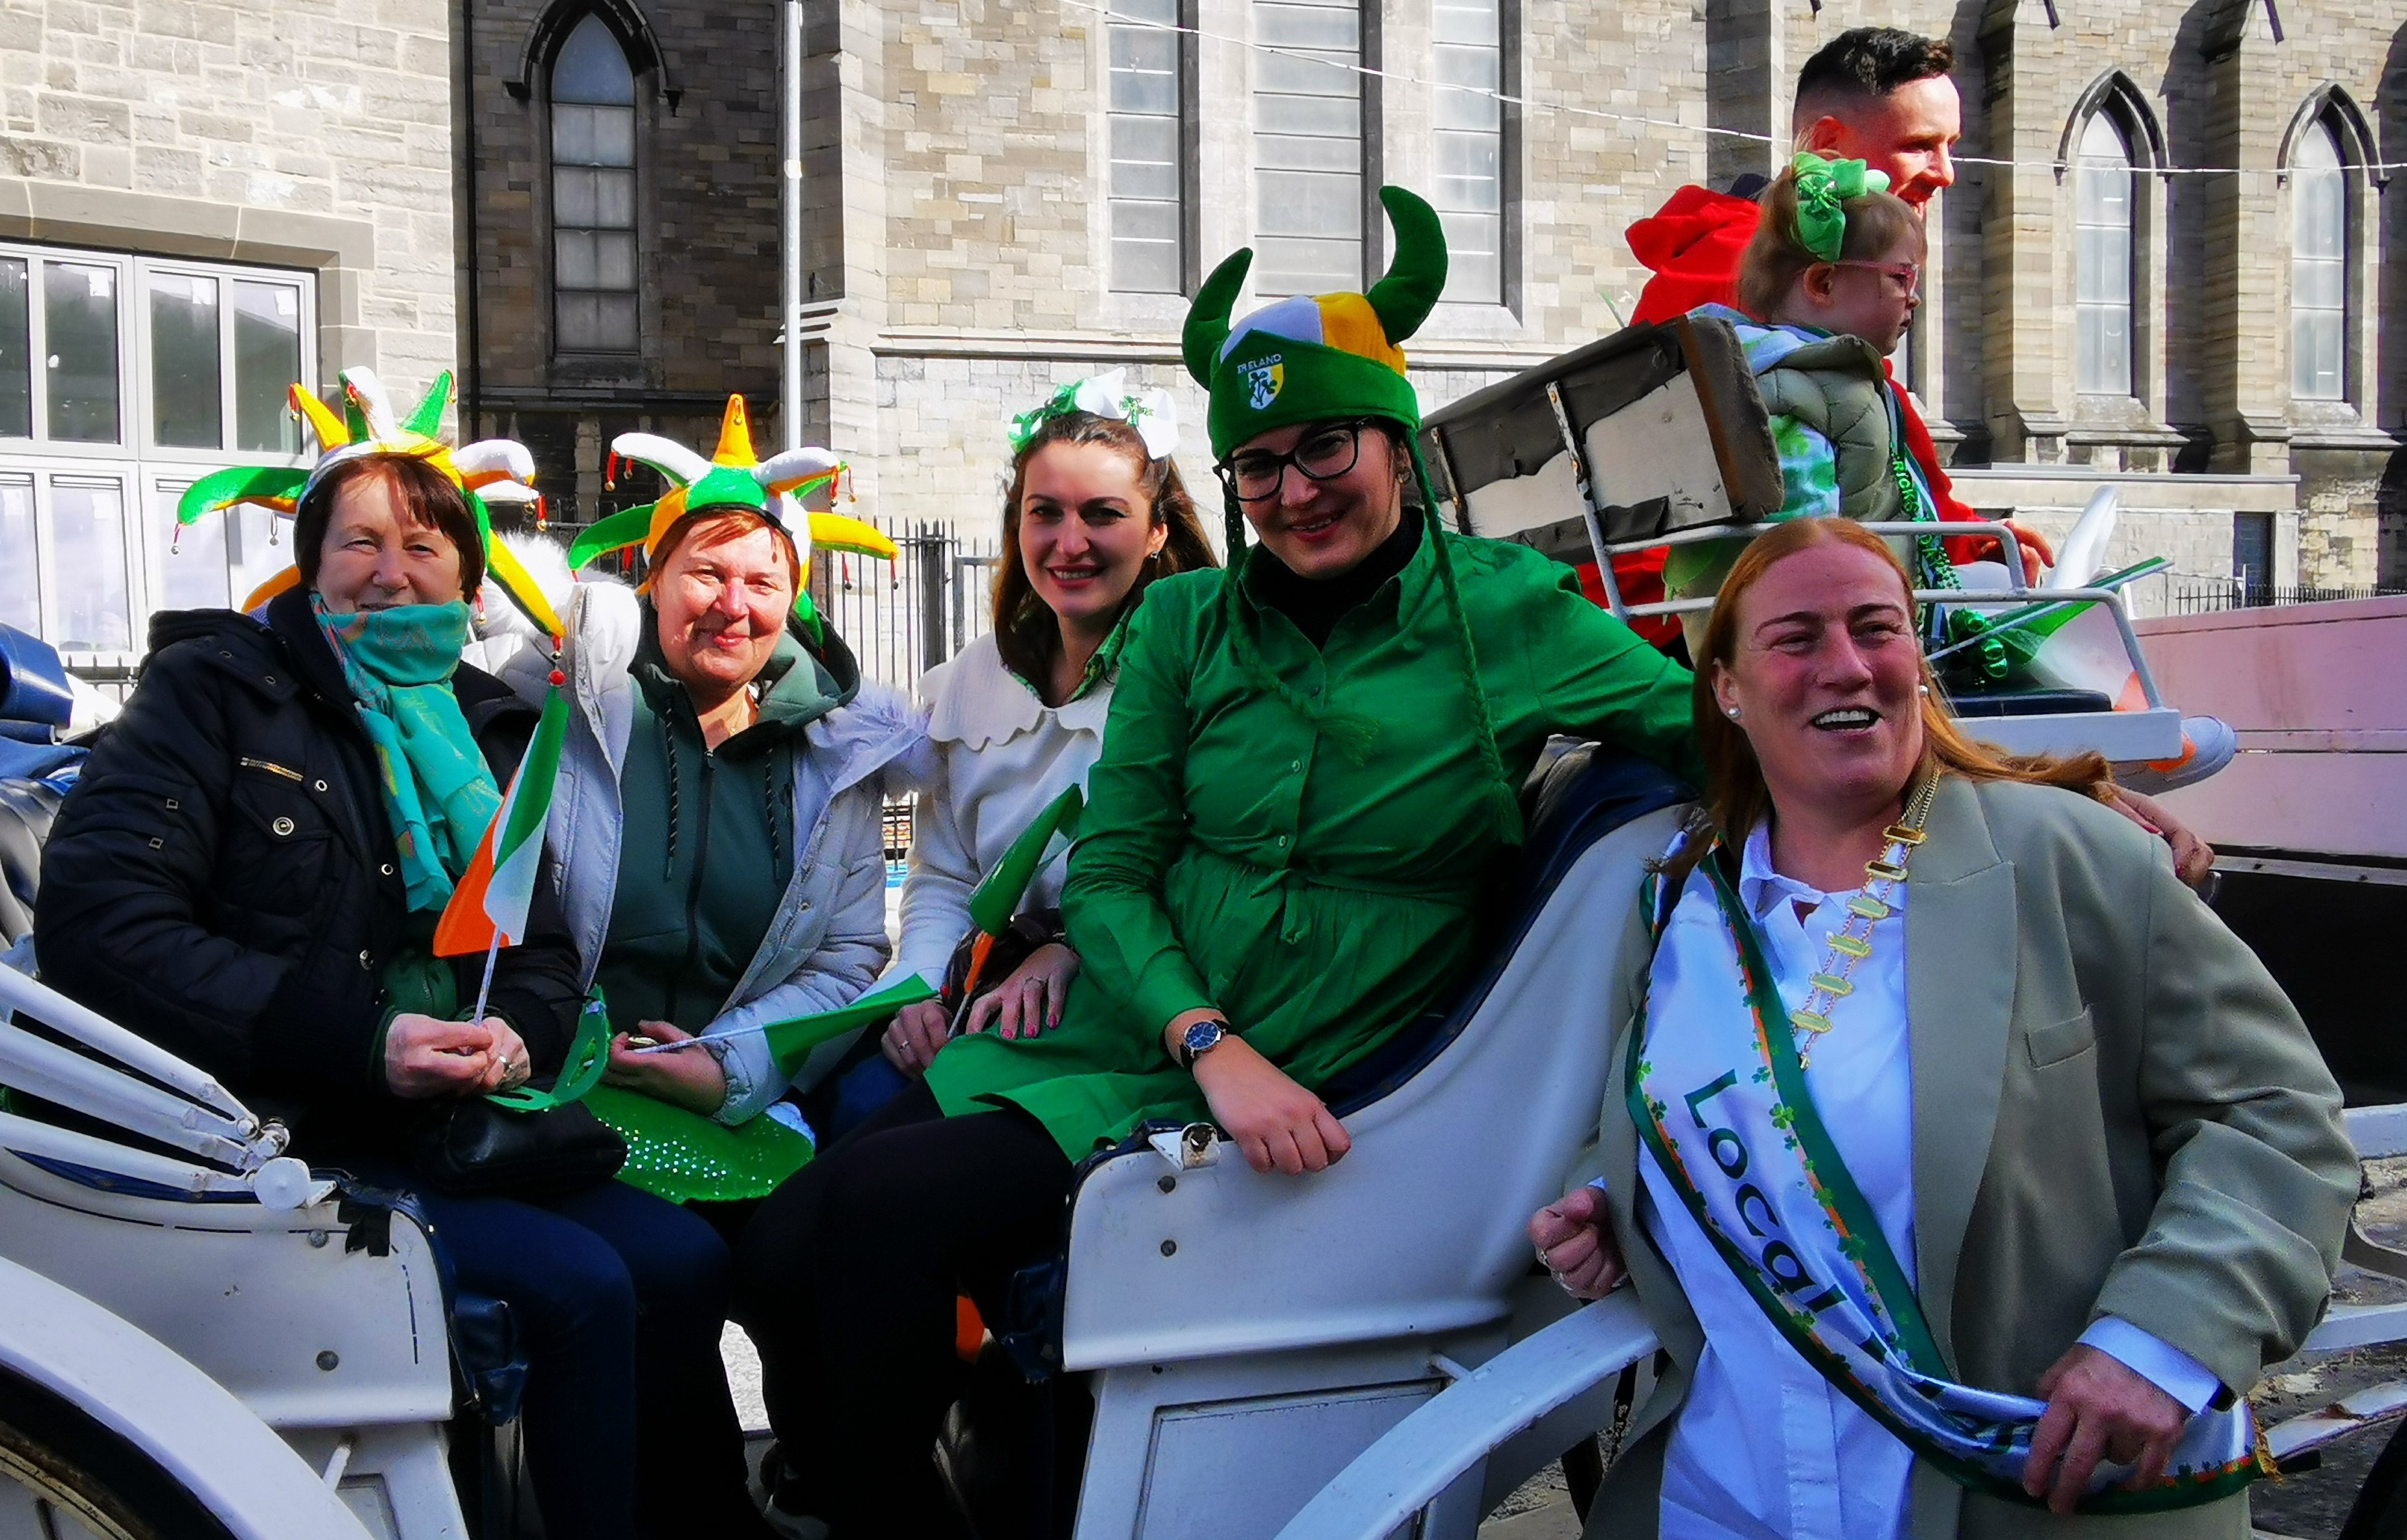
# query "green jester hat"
(792, 491)
(1323, 358)
(488, 471)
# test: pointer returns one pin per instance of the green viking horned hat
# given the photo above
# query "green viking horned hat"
(1323, 358)
(1313, 357)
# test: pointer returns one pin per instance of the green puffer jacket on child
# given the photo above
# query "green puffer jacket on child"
(1834, 424)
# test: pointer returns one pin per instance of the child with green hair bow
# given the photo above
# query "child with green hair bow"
(1830, 284)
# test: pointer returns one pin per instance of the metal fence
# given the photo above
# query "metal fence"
(901, 618)
(2191, 593)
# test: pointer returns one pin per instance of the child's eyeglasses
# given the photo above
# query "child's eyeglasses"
(1907, 276)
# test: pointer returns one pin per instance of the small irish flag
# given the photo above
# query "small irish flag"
(488, 908)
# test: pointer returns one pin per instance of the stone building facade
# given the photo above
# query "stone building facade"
(636, 136)
(199, 203)
(1001, 195)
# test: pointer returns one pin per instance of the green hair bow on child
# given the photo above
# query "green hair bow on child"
(1823, 189)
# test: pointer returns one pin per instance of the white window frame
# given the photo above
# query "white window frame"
(140, 468)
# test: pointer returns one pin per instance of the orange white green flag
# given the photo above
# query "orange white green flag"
(488, 908)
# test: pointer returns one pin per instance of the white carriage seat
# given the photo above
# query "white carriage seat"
(1461, 1128)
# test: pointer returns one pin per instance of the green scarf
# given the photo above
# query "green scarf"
(441, 797)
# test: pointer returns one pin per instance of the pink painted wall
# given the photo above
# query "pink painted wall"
(2318, 695)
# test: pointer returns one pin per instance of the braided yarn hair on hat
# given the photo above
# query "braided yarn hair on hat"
(1327, 358)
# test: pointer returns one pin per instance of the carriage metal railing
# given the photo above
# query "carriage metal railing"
(106, 1072)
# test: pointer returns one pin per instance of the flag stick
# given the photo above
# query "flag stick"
(486, 986)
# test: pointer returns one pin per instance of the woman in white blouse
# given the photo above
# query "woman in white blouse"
(1095, 511)
(1968, 1169)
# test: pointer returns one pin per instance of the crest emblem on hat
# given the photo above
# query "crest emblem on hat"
(1263, 377)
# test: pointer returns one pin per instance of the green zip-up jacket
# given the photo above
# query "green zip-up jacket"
(1234, 861)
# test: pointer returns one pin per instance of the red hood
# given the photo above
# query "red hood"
(1693, 245)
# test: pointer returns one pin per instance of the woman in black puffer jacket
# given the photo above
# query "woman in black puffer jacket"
(249, 873)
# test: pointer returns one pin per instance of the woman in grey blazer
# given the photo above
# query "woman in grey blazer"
(1967, 1167)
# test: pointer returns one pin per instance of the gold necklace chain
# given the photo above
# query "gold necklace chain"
(1866, 907)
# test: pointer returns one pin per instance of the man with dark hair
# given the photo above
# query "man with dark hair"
(1882, 95)
(1878, 94)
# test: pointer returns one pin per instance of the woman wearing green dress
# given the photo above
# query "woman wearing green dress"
(1309, 771)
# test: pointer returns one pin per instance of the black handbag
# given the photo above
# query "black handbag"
(1028, 931)
(475, 1149)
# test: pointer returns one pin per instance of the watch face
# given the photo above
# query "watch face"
(1202, 1035)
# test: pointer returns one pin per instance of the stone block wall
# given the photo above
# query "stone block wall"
(314, 133)
(707, 188)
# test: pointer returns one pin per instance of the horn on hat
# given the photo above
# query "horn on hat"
(1403, 299)
(1207, 318)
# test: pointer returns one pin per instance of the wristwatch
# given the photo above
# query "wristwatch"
(1198, 1038)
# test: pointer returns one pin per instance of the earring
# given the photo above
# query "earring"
(1733, 712)
(1922, 690)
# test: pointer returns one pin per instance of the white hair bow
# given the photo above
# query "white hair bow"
(1151, 413)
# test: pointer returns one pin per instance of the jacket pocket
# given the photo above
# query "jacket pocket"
(2059, 1041)
(277, 841)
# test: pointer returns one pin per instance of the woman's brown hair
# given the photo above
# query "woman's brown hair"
(1025, 632)
(428, 500)
(1736, 798)
(1776, 258)
(723, 519)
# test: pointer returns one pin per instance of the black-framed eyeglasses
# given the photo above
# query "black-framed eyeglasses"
(1324, 454)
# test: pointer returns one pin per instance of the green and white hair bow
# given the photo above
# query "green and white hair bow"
(1151, 413)
(1823, 188)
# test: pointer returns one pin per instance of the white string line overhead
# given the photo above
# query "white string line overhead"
(1531, 103)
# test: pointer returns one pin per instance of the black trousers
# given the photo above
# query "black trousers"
(846, 1279)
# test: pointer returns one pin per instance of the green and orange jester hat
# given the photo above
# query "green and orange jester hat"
(794, 492)
(1335, 358)
(488, 471)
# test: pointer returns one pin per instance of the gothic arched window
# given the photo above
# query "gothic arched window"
(593, 192)
(2318, 266)
(2103, 260)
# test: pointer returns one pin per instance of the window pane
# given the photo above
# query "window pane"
(20, 598)
(573, 255)
(2317, 352)
(187, 403)
(614, 136)
(591, 67)
(616, 317)
(1145, 70)
(1144, 267)
(16, 354)
(195, 570)
(614, 199)
(572, 135)
(597, 323)
(573, 198)
(80, 310)
(614, 260)
(1310, 203)
(88, 518)
(593, 136)
(266, 365)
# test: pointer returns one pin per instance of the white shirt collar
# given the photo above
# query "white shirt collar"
(1761, 889)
